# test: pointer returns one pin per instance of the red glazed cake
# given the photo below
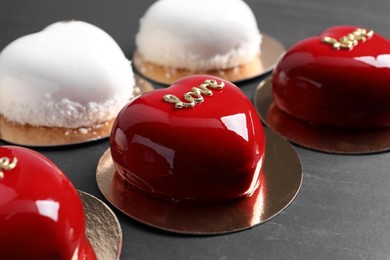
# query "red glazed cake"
(41, 215)
(200, 139)
(338, 78)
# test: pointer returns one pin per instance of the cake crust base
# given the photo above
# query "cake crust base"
(271, 50)
(50, 136)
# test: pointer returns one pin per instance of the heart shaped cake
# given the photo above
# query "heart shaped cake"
(339, 78)
(218, 40)
(198, 36)
(72, 75)
(200, 139)
(41, 215)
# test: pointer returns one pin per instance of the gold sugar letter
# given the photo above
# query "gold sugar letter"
(212, 83)
(6, 165)
(195, 95)
(178, 103)
(349, 41)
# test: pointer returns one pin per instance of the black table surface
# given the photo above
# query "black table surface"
(343, 208)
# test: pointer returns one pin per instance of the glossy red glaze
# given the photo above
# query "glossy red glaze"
(41, 215)
(213, 151)
(347, 88)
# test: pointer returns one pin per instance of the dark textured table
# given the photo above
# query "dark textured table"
(343, 208)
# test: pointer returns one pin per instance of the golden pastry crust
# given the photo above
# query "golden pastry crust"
(46, 136)
(167, 75)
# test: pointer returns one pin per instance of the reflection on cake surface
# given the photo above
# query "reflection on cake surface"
(339, 78)
(70, 75)
(199, 139)
(41, 215)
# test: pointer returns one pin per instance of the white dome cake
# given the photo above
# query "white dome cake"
(197, 36)
(71, 75)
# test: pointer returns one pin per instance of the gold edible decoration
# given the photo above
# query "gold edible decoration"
(6, 165)
(195, 96)
(349, 41)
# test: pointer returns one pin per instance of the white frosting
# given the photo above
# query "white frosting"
(71, 74)
(199, 34)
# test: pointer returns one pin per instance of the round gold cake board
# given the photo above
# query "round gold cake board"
(45, 137)
(271, 50)
(103, 230)
(281, 179)
(321, 138)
